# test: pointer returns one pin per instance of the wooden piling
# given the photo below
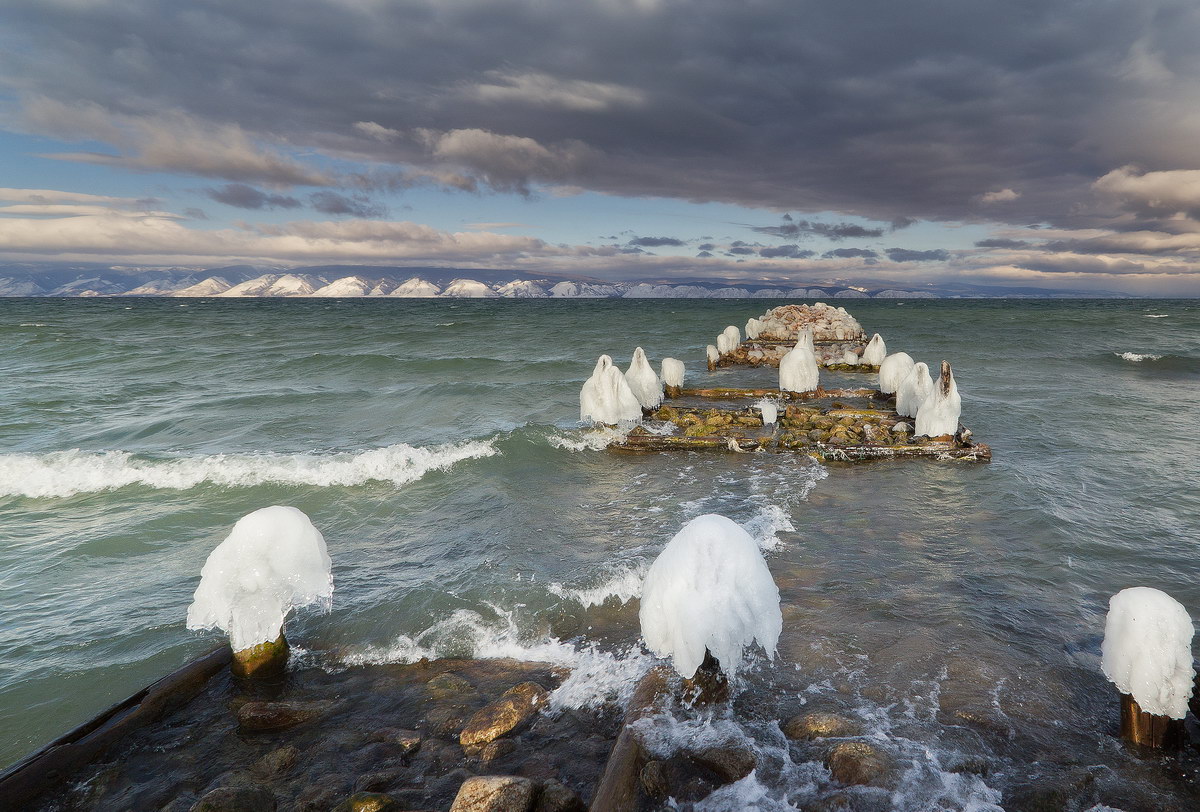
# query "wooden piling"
(1148, 730)
(265, 662)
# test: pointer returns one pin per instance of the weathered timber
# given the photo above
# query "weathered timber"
(1147, 729)
(265, 662)
(618, 787)
(936, 449)
(54, 764)
(732, 393)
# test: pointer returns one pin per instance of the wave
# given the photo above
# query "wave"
(596, 676)
(65, 473)
(1135, 357)
(624, 584)
(1157, 315)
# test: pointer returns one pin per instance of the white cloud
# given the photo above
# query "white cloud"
(376, 131)
(48, 196)
(1000, 196)
(1168, 191)
(545, 91)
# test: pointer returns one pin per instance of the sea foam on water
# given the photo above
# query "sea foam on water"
(273, 561)
(606, 397)
(1147, 650)
(709, 588)
(646, 386)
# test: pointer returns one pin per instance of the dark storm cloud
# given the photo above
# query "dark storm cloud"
(906, 255)
(789, 251)
(328, 202)
(850, 253)
(883, 110)
(1001, 242)
(243, 196)
(830, 231)
(656, 242)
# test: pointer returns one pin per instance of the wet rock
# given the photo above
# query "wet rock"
(277, 762)
(654, 781)
(376, 782)
(237, 799)
(368, 802)
(409, 741)
(447, 686)
(494, 793)
(446, 721)
(183, 803)
(728, 763)
(1051, 794)
(259, 717)
(858, 763)
(496, 749)
(832, 803)
(324, 794)
(517, 706)
(819, 725)
(557, 797)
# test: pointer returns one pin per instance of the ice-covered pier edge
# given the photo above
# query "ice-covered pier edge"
(1147, 654)
(274, 560)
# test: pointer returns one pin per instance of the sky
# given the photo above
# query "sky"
(1033, 143)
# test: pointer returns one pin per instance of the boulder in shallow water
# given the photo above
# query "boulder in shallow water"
(859, 763)
(556, 797)
(819, 725)
(260, 717)
(517, 706)
(447, 686)
(278, 762)
(494, 793)
(729, 763)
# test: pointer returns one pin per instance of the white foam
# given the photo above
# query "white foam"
(766, 526)
(596, 676)
(65, 473)
(1157, 315)
(1135, 357)
(624, 585)
(595, 439)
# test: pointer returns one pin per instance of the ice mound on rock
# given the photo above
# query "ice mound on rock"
(713, 353)
(938, 413)
(753, 329)
(875, 352)
(728, 340)
(606, 397)
(273, 561)
(916, 386)
(1147, 650)
(646, 386)
(770, 411)
(798, 371)
(850, 357)
(709, 588)
(672, 372)
(893, 370)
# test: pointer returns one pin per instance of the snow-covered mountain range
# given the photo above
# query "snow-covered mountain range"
(298, 284)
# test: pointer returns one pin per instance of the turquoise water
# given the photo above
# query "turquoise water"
(434, 443)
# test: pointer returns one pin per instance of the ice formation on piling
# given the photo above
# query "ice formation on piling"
(1147, 650)
(875, 352)
(892, 371)
(672, 372)
(938, 413)
(646, 386)
(709, 588)
(714, 354)
(798, 371)
(850, 357)
(273, 561)
(769, 409)
(753, 329)
(804, 339)
(728, 340)
(913, 390)
(606, 397)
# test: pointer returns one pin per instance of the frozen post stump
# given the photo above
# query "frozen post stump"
(273, 561)
(1147, 654)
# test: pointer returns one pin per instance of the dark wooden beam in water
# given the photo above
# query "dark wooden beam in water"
(618, 787)
(1148, 730)
(935, 449)
(56, 763)
(732, 393)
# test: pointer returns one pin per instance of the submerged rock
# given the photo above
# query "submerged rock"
(368, 802)
(259, 717)
(728, 763)
(653, 780)
(859, 763)
(556, 797)
(277, 762)
(819, 725)
(517, 706)
(237, 799)
(494, 793)
(447, 686)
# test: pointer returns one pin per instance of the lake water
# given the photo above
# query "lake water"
(954, 609)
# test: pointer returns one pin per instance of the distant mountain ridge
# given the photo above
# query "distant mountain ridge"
(354, 282)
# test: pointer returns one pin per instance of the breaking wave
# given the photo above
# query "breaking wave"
(624, 584)
(65, 473)
(1135, 357)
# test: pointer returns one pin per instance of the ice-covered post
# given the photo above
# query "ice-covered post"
(273, 561)
(713, 355)
(1147, 654)
(672, 375)
(705, 598)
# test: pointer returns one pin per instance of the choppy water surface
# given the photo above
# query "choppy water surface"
(956, 610)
